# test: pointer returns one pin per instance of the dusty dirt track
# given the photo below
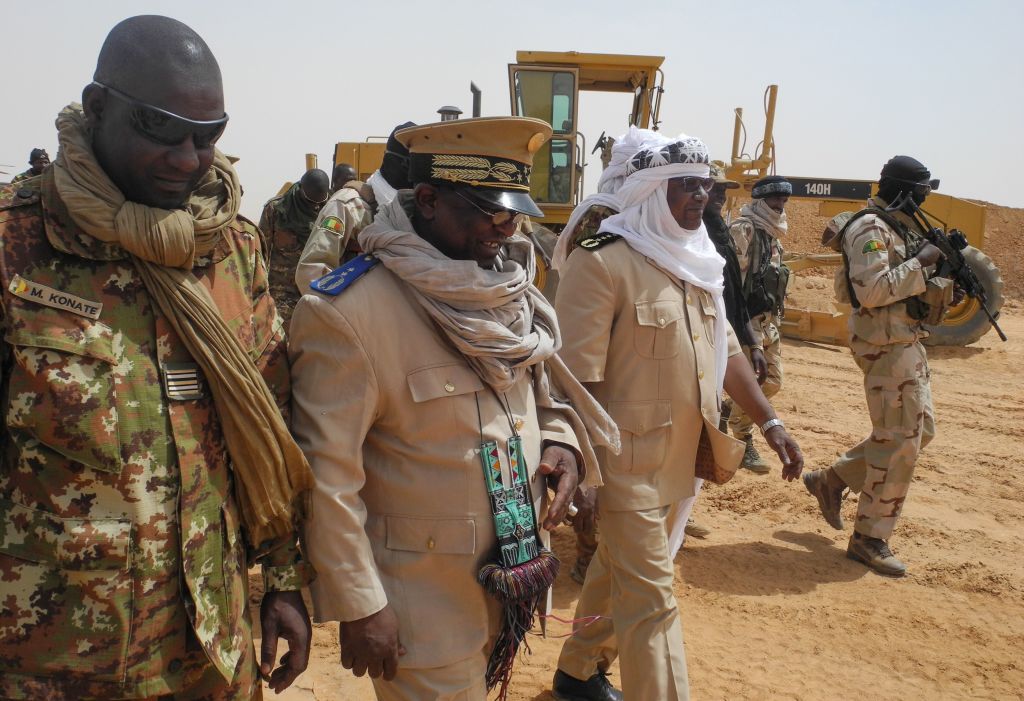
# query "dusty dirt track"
(771, 607)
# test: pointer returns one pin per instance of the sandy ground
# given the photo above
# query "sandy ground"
(771, 607)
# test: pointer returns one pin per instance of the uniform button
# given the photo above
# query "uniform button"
(661, 321)
(700, 375)
(430, 543)
(174, 666)
(519, 424)
(689, 299)
(449, 387)
(696, 337)
(640, 428)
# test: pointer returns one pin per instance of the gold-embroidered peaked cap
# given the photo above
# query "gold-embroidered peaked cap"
(490, 156)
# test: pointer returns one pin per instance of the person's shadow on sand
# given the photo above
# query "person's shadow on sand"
(760, 568)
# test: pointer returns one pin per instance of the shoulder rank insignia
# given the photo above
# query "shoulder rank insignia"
(333, 224)
(595, 241)
(873, 245)
(334, 282)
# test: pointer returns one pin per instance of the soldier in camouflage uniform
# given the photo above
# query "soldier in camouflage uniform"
(37, 159)
(886, 276)
(286, 223)
(123, 565)
(351, 209)
(757, 234)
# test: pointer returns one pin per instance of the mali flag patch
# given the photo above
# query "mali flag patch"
(873, 245)
(333, 224)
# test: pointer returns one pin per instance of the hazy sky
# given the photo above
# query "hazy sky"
(858, 82)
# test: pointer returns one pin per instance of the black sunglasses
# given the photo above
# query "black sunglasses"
(167, 128)
(499, 218)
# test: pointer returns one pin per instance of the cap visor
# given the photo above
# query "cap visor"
(507, 199)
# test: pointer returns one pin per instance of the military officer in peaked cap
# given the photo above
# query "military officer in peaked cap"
(395, 415)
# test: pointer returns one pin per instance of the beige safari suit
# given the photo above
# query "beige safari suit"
(387, 413)
(642, 341)
(885, 342)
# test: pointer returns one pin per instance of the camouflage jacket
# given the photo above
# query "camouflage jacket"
(882, 274)
(22, 177)
(119, 533)
(349, 211)
(282, 246)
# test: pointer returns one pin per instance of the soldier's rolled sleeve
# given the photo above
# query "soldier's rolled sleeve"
(873, 281)
(757, 333)
(335, 401)
(742, 233)
(585, 305)
(287, 577)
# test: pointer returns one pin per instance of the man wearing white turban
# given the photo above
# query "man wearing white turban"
(645, 329)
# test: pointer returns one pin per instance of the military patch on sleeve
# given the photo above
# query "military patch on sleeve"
(333, 224)
(335, 282)
(873, 245)
(603, 238)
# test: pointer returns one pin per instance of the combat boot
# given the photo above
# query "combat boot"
(597, 688)
(830, 499)
(752, 459)
(696, 530)
(875, 553)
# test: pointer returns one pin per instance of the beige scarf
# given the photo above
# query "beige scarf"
(496, 319)
(271, 474)
(764, 217)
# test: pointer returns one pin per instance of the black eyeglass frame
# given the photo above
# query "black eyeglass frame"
(499, 218)
(168, 135)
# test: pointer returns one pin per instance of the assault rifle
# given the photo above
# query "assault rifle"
(956, 267)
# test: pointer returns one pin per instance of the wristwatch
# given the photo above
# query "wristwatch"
(770, 424)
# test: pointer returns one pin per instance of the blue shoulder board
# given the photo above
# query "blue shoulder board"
(334, 282)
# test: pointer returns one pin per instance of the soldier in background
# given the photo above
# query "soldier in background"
(342, 173)
(286, 223)
(144, 452)
(37, 160)
(757, 235)
(886, 278)
(350, 210)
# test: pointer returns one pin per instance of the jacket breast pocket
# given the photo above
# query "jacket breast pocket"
(657, 332)
(446, 380)
(63, 388)
(709, 315)
(644, 430)
(442, 536)
(71, 602)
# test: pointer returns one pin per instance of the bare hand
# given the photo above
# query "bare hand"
(928, 255)
(760, 364)
(558, 464)
(586, 515)
(787, 450)
(283, 615)
(371, 645)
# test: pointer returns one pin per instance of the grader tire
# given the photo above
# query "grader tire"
(966, 323)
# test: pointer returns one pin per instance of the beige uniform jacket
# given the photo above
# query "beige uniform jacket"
(346, 213)
(386, 412)
(643, 342)
(883, 274)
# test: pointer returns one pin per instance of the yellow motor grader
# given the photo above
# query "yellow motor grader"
(547, 85)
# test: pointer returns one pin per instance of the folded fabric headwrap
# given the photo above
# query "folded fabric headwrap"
(612, 178)
(905, 168)
(771, 185)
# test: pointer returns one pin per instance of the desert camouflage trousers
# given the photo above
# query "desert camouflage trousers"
(741, 424)
(880, 468)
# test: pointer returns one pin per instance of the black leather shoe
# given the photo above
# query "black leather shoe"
(597, 688)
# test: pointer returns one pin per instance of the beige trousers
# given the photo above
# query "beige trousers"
(629, 584)
(460, 681)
